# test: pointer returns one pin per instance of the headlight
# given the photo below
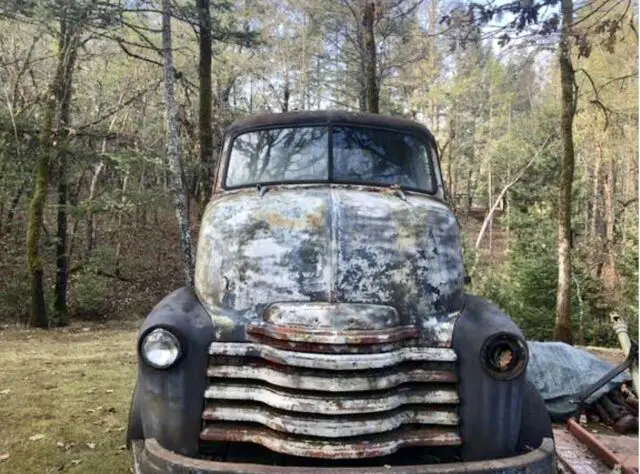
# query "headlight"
(160, 348)
(504, 356)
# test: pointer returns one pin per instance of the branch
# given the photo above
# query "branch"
(119, 107)
(495, 205)
(597, 100)
(136, 56)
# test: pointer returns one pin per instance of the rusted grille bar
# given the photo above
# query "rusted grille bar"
(342, 448)
(344, 406)
(336, 404)
(336, 362)
(331, 426)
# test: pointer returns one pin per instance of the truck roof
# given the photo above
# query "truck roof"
(326, 117)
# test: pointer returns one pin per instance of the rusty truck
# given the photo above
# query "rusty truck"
(329, 330)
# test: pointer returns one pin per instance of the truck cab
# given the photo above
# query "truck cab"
(329, 327)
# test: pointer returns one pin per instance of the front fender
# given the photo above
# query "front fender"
(171, 401)
(490, 409)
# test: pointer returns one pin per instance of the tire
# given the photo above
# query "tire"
(134, 428)
(535, 423)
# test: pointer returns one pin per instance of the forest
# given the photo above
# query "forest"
(112, 114)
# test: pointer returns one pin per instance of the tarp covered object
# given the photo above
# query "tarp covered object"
(560, 372)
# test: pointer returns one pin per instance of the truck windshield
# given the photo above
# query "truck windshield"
(359, 155)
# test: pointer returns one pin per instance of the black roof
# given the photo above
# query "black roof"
(325, 117)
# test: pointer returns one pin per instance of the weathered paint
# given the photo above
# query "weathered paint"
(336, 404)
(344, 448)
(330, 244)
(320, 336)
(333, 361)
(378, 380)
(155, 459)
(335, 317)
(330, 426)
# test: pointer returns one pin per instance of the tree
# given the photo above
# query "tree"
(368, 58)
(56, 116)
(173, 146)
(205, 100)
(562, 330)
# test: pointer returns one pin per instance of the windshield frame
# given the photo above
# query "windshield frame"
(426, 141)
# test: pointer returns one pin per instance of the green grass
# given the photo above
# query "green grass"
(69, 391)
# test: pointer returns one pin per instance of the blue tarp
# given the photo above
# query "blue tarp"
(560, 371)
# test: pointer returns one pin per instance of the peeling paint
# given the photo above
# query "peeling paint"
(333, 449)
(332, 244)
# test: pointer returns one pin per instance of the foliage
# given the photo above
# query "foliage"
(491, 109)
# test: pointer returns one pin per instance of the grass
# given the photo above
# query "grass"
(64, 400)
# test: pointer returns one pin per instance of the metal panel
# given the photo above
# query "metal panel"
(314, 336)
(306, 244)
(331, 426)
(329, 382)
(333, 361)
(335, 404)
(344, 448)
(336, 317)
(155, 459)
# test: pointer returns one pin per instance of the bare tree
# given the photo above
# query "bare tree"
(173, 146)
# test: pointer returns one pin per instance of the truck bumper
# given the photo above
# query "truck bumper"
(151, 458)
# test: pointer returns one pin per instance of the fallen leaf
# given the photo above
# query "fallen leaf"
(36, 437)
(91, 445)
(76, 461)
(60, 444)
(4, 457)
(108, 391)
(5, 391)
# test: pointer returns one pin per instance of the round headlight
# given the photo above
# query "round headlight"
(160, 348)
(504, 356)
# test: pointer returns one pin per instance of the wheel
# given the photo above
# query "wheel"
(535, 423)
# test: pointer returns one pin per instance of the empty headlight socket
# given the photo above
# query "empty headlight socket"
(504, 356)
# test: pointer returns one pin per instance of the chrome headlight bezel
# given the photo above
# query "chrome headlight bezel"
(159, 336)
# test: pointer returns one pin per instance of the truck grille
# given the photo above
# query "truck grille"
(348, 402)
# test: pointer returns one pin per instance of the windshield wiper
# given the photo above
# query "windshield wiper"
(262, 189)
(398, 191)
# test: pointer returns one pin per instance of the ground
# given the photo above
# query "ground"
(64, 400)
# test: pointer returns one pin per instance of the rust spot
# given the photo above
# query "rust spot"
(381, 336)
(359, 447)
(505, 358)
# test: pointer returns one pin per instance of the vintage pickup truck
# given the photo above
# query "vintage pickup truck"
(329, 330)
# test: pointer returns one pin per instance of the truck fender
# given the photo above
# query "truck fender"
(134, 427)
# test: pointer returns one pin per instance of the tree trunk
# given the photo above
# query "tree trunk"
(610, 278)
(61, 311)
(204, 122)
(595, 204)
(286, 93)
(562, 330)
(13, 207)
(173, 147)
(50, 137)
(123, 201)
(370, 64)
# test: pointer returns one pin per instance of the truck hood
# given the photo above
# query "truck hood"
(333, 245)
